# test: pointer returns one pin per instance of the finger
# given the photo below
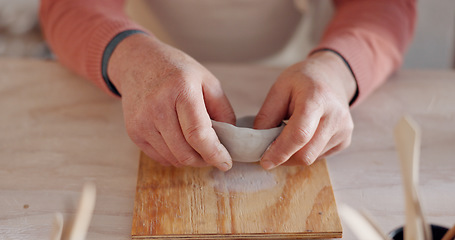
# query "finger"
(337, 148)
(216, 102)
(315, 147)
(153, 154)
(296, 134)
(174, 139)
(336, 143)
(155, 139)
(322, 138)
(274, 109)
(197, 129)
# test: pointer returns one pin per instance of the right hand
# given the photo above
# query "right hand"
(168, 99)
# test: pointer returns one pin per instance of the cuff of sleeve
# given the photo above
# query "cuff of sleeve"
(97, 47)
(107, 55)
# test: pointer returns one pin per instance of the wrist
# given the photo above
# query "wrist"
(335, 63)
(126, 57)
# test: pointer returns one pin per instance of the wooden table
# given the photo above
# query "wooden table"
(58, 131)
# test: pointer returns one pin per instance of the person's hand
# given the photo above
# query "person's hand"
(168, 99)
(314, 95)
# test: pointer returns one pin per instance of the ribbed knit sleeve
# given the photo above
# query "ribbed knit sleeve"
(78, 32)
(372, 36)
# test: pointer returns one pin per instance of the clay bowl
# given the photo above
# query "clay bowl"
(244, 143)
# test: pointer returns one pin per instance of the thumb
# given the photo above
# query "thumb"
(274, 109)
(217, 104)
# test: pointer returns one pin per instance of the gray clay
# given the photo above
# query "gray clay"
(244, 143)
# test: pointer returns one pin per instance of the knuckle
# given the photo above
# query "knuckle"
(138, 122)
(184, 92)
(317, 96)
(170, 75)
(138, 128)
(300, 135)
(153, 155)
(306, 157)
(170, 158)
(157, 111)
(320, 96)
(346, 133)
(146, 147)
(196, 135)
(213, 82)
(183, 95)
(187, 160)
(227, 111)
(341, 122)
(350, 125)
(310, 156)
(277, 158)
(134, 133)
(341, 146)
(213, 156)
(159, 116)
(343, 114)
(262, 116)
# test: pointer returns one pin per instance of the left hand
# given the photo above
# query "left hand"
(314, 95)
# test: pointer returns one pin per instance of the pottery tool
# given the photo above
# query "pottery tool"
(81, 222)
(57, 227)
(84, 213)
(407, 137)
(449, 234)
(245, 202)
(361, 224)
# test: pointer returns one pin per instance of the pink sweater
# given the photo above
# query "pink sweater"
(371, 35)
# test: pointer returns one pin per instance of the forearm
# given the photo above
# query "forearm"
(78, 32)
(371, 36)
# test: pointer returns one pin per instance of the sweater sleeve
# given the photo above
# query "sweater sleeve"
(372, 37)
(78, 32)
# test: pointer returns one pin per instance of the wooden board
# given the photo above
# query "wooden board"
(246, 202)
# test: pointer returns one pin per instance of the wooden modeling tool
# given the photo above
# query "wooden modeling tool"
(84, 213)
(81, 222)
(407, 137)
(361, 224)
(57, 227)
(246, 202)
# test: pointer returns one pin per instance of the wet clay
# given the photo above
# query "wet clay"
(244, 143)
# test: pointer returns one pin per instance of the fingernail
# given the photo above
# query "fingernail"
(267, 164)
(224, 166)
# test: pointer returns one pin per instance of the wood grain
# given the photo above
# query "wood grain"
(246, 202)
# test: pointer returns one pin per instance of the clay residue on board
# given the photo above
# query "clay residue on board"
(243, 177)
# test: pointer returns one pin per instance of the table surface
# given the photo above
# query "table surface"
(59, 131)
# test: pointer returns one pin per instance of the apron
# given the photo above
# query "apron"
(270, 32)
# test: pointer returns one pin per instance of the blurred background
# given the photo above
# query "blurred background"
(20, 35)
(432, 47)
